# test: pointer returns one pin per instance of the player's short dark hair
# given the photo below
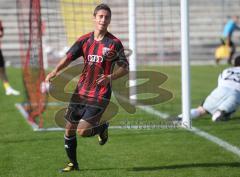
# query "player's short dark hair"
(237, 61)
(102, 7)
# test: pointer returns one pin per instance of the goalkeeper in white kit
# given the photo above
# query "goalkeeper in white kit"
(223, 100)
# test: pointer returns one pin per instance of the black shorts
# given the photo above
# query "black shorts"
(86, 110)
(2, 63)
(89, 113)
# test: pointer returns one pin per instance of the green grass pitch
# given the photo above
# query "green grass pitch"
(129, 153)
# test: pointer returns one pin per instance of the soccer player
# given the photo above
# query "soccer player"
(223, 100)
(226, 39)
(100, 51)
(3, 76)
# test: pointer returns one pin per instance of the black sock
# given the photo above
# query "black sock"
(71, 148)
(98, 129)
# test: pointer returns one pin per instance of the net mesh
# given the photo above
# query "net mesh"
(63, 21)
(157, 31)
(29, 18)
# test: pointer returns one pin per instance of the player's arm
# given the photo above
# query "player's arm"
(1, 30)
(123, 65)
(74, 52)
(64, 62)
(119, 72)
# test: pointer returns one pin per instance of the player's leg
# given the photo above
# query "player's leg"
(227, 106)
(86, 129)
(194, 113)
(72, 116)
(70, 144)
(213, 100)
(8, 89)
(232, 52)
(210, 105)
(3, 76)
(220, 115)
(217, 60)
(90, 124)
(197, 112)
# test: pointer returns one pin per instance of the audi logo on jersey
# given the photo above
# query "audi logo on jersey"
(95, 58)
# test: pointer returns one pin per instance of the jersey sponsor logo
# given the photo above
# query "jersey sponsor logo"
(109, 54)
(105, 51)
(95, 58)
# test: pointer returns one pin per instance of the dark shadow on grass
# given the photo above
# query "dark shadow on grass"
(191, 165)
(169, 167)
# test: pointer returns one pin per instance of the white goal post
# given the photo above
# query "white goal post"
(132, 46)
(185, 68)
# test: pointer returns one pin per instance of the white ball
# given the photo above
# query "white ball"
(45, 86)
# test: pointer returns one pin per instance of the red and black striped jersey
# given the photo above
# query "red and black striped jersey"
(99, 58)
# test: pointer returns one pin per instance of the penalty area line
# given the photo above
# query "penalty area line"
(216, 140)
(34, 126)
(25, 115)
(225, 145)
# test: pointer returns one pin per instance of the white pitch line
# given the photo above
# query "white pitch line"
(151, 110)
(195, 130)
(216, 140)
(35, 127)
(147, 109)
(25, 116)
(32, 124)
(227, 146)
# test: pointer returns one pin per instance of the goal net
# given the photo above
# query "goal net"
(29, 20)
(59, 23)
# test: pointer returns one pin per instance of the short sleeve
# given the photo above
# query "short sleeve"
(76, 50)
(121, 57)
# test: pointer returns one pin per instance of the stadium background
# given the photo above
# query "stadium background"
(158, 27)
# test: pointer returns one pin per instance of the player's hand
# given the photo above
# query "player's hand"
(103, 80)
(50, 76)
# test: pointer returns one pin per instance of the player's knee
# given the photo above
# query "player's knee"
(83, 132)
(70, 129)
(70, 132)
